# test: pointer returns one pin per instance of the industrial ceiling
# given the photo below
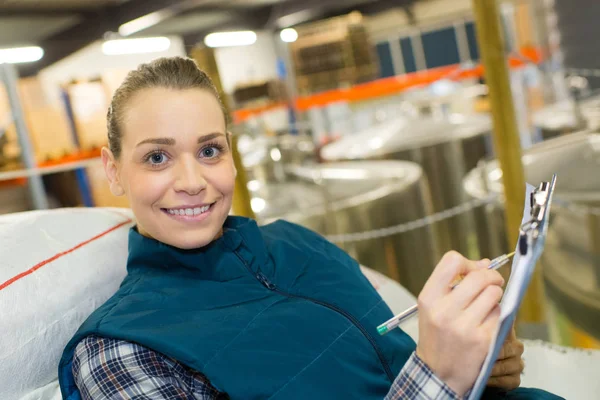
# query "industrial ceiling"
(62, 27)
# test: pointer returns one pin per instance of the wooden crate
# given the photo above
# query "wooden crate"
(332, 54)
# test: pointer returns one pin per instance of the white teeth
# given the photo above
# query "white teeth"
(188, 211)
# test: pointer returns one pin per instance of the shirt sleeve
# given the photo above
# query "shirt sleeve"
(417, 382)
(108, 369)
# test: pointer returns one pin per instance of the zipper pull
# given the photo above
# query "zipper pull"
(263, 279)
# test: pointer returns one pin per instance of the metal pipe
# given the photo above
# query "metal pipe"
(8, 74)
(506, 137)
(205, 57)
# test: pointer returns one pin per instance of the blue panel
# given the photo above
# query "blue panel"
(386, 65)
(440, 48)
(410, 65)
(472, 39)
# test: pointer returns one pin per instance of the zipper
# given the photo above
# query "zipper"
(269, 285)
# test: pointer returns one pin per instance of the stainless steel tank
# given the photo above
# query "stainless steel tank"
(352, 197)
(568, 116)
(570, 263)
(444, 97)
(266, 157)
(447, 149)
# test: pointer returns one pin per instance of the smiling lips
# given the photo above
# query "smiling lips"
(188, 211)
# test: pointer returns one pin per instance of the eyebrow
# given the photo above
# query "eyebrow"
(171, 141)
(210, 136)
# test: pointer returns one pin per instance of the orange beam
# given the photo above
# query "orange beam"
(79, 156)
(385, 86)
(73, 157)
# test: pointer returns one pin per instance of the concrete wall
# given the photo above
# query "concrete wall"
(239, 65)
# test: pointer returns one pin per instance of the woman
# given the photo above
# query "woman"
(214, 306)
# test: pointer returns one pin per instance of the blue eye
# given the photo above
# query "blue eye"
(210, 152)
(156, 158)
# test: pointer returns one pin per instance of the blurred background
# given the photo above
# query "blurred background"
(370, 122)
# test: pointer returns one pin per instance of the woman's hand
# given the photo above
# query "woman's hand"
(456, 326)
(506, 373)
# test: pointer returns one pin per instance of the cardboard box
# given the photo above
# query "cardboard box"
(89, 102)
(49, 128)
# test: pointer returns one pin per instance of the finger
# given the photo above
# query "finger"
(484, 263)
(490, 323)
(479, 265)
(448, 269)
(509, 366)
(508, 382)
(511, 348)
(512, 334)
(473, 285)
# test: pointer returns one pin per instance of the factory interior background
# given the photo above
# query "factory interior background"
(370, 122)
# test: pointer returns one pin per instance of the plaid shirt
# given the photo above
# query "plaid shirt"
(115, 369)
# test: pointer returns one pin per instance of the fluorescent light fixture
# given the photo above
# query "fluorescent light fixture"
(289, 35)
(296, 18)
(230, 39)
(135, 46)
(145, 22)
(21, 54)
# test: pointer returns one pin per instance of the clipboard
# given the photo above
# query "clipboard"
(530, 246)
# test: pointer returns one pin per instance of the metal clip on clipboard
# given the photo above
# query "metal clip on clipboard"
(533, 231)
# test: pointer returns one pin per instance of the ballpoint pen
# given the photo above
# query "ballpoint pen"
(398, 319)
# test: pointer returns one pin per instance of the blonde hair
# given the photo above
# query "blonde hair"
(167, 72)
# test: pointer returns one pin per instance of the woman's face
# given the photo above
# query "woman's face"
(175, 166)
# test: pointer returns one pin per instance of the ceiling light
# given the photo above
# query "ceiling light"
(289, 35)
(21, 54)
(296, 18)
(135, 46)
(145, 22)
(229, 39)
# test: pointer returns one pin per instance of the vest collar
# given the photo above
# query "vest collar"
(242, 241)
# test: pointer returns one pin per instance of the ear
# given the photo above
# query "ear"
(112, 172)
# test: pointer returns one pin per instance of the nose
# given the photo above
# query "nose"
(189, 176)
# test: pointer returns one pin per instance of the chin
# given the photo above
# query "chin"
(189, 240)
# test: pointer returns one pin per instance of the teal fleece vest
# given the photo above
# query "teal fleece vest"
(272, 312)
